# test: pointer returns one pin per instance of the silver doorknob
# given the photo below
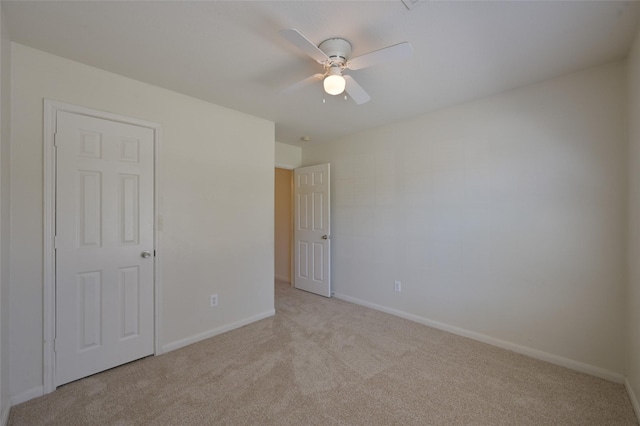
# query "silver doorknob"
(146, 254)
(325, 237)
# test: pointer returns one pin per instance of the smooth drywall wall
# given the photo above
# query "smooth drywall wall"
(288, 156)
(216, 184)
(633, 291)
(283, 225)
(502, 218)
(5, 97)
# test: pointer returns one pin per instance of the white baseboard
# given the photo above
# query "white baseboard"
(525, 350)
(633, 398)
(207, 334)
(282, 278)
(27, 395)
(5, 413)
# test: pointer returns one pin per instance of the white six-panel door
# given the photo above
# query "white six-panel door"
(104, 245)
(312, 230)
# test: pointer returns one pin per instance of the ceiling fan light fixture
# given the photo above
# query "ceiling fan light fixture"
(334, 83)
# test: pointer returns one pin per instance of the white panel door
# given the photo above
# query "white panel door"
(312, 234)
(104, 245)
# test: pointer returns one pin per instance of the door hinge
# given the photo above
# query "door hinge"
(55, 242)
(55, 345)
(55, 139)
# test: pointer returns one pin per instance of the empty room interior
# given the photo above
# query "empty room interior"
(458, 182)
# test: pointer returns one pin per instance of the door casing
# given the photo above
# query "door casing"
(51, 109)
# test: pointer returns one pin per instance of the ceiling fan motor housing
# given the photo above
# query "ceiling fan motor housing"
(335, 56)
(337, 49)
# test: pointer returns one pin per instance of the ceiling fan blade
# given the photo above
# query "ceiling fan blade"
(392, 53)
(356, 91)
(302, 83)
(294, 37)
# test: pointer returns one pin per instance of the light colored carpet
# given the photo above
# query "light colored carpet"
(328, 362)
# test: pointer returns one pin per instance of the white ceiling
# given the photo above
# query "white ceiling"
(230, 52)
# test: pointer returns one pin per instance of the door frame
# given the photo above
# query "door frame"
(51, 109)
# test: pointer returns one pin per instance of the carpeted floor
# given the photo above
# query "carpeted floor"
(328, 362)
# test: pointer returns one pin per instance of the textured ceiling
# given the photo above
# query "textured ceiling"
(230, 52)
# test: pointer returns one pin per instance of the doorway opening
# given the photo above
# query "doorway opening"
(283, 227)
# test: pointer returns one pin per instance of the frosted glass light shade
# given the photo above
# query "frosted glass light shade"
(334, 84)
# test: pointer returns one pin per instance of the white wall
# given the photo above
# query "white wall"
(633, 295)
(217, 203)
(503, 218)
(288, 156)
(5, 97)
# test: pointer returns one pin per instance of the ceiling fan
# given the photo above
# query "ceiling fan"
(334, 55)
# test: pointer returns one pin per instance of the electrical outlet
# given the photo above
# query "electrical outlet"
(213, 300)
(397, 286)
